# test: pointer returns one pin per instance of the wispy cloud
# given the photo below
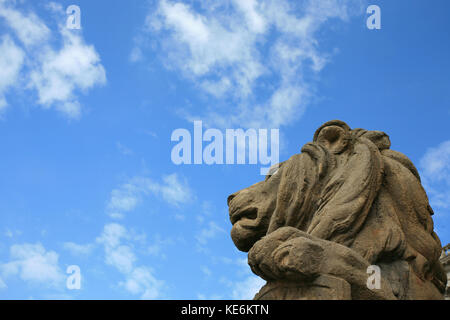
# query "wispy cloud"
(244, 286)
(435, 172)
(11, 61)
(141, 281)
(3, 284)
(256, 56)
(208, 232)
(12, 233)
(124, 149)
(28, 27)
(57, 64)
(248, 288)
(33, 263)
(79, 249)
(159, 245)
(119, 246)
(119, 242)
(173, 189)
(206, 271)
(121, 257)
(112, 235)
(119, 253)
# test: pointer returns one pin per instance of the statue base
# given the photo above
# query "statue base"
(324, 287)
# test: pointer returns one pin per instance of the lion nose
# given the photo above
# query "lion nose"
(231, 197)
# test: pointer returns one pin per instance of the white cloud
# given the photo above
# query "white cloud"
(142, 282)
(79, 249)
(245, 285)
(76, 66)
(121, 257)
(123, 200)
(208, 233)
(136, 55)
(201, 296)
(180, 217)
(206, 271)
(32, 263)
(253, 17)
(11, 61)
(174, 190)
(3, 284)
(124, 149)
(112, 235)
(207, 210)
(436, 162)
(12, 233)
(154, 249)
(235, 49)
(159, 246)
(29, 28)
(119, 242)
(202, 44)
(435, 173)
(139, 280)
(58, 73)
(248, 288)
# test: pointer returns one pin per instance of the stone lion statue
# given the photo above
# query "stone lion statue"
(346, 205)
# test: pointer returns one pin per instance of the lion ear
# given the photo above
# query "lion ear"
(334, 138)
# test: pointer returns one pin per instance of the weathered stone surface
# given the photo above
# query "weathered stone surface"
(445, 260)
(320, 219)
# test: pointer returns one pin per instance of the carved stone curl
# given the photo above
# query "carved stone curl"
(321, 218)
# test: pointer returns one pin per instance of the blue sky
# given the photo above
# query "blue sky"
(86, 118)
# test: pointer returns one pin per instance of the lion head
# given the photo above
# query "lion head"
(347, 187)
(251, 209)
